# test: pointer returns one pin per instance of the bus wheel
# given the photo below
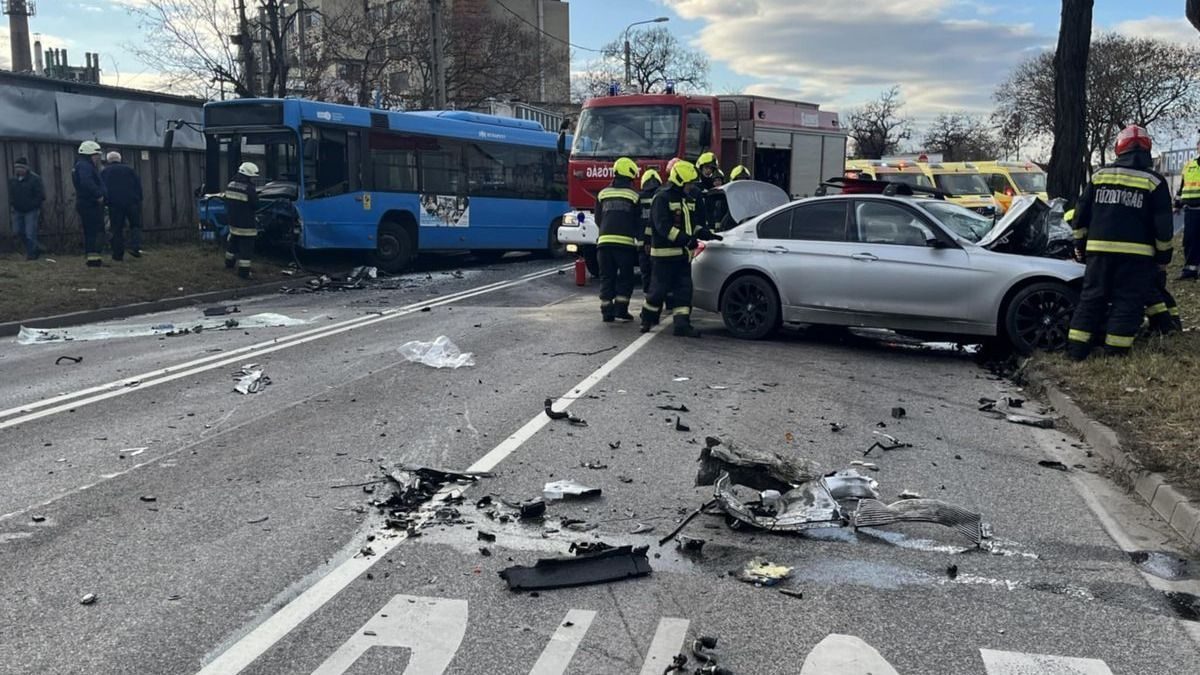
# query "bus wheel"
(394, 248)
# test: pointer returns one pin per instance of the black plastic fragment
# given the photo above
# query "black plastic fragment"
(533, 509)
(220, 310)
(72, 359)
(680, 426)
(675, 408)
(1051, 464)
(899, 412)
(625, 562)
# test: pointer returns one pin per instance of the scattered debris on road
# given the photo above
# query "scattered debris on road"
(221, 310)
(548, 407)
(29, 336)
(563, 489)
(594, 465)
(757, 469)
(874, 513)
(148, 498)
(680, 426)
(763, 573)
(355, 280)
(251, 379)
(72, 359)
(690, 544)
(1012, 410)
(1163, 564)
(1051, 464)
(888, 442)
(898, 412)
(89, 599)
(38, 518)
(441, 353)
(598, 351)
(412, 487)
(613, 564)
(258, 520)
(674, 408)
(792, 593)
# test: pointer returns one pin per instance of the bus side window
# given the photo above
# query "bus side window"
(490, 170)
(393, 162)
(699, 132)
(441, 168)
(325, 171)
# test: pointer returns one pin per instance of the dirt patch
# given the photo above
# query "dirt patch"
(41, 288)
(1149, 397)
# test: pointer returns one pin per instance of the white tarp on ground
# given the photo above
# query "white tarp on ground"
(31, 336)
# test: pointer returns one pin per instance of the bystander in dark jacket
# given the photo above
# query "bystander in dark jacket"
(124, 189)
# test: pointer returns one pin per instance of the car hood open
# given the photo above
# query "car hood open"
(1030, 227)
(748, 198)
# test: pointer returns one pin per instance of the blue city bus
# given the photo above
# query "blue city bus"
(389, 183)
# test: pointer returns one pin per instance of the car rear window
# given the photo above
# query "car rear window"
(822, 221)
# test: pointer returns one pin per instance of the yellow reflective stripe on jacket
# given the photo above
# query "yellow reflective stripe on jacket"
(1137, 183)
(1121, 341)
(616, 239)
(1080, 233)
(673, 233)
(236, 196)
(1156, 309)
(667, 252)
(1076, 335)
(243, 232)
(1163, 245)
(1130, 248)
(1115, 175)
(620, 193)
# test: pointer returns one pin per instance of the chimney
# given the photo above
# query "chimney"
(18, 12)
(62, 58)
(39, 65)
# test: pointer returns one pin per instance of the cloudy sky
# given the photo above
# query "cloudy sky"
(946, 54)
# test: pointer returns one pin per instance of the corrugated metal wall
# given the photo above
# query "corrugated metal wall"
(46, 126)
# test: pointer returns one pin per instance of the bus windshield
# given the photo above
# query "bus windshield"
(914, 179)
(1030, 181)
(644, 132)
(274, 152)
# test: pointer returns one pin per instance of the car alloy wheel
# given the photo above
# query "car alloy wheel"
(750, 308)
(1040, 318)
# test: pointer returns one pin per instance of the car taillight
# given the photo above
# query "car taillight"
(700, 246)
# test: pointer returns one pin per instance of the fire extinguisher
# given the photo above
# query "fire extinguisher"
(580, 271)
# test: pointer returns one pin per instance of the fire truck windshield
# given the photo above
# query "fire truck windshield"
(645, 132)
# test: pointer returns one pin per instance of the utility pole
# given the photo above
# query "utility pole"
(436, 47)
(245, 49)
(300, 30)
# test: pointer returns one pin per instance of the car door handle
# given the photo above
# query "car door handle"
(777, 249)
(865, 257)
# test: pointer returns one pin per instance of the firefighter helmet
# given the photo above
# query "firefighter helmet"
(706, 159)
(682, 173)
(1132, 138)
(650, 175)
(89, 148)
(626, 168)
(739, 173)
(248, 169)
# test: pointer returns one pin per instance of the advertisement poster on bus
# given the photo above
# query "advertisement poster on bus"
(445, 211)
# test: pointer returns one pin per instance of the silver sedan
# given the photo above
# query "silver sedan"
(921, 267)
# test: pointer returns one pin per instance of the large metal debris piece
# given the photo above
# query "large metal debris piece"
(804, 508)
(562, 489)
(623, 562)
(251, 379)
(756, 469)
(874, 513)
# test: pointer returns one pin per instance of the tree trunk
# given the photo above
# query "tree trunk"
(1070, 100)
(1193, 12)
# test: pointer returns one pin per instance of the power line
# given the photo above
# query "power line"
(543, 32)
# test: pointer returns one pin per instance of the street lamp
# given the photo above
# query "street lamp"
(625, 34)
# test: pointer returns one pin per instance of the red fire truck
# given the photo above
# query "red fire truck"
(790, 144)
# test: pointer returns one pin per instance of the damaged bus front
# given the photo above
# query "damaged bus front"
(251, 133)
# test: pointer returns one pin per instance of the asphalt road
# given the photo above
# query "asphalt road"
(210, 530)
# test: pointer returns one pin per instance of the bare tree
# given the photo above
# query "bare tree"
(877, 128)
(189, 41)
(1068, 159)
(1154, 83)
(960, 137)
(655, 57)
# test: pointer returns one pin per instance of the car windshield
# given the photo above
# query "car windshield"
(1031, 181)
(914, 179)
(962, 184)
(962, 222)
(650, 132)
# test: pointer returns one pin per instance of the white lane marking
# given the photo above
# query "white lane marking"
(845, 655)
(262, 637)
(510, 444)
(558, 654)
(237, 356)
(667, 642)
(431, 628)
(1017, 663)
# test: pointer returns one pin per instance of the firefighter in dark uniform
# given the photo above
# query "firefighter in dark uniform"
(1188, 199)
(672, 242)
(1161, 309)
(740, 172)
(90, 196)
(710, 174)
(619, 213)
(241, 202)
(1123, 230)
(651, 182)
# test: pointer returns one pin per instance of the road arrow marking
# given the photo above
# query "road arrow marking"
(431, 628)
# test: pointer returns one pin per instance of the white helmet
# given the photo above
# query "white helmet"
(89, 148)
(248, 169)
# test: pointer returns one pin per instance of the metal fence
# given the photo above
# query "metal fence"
(44, 121)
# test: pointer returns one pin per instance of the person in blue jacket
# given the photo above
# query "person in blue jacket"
(90, 197)
(124, 206)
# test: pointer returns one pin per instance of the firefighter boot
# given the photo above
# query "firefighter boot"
(1078, 351)
(606, 311)
(230, 260)
(621, 312)
(683, 326)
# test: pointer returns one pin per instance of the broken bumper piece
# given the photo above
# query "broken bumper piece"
(624, 562)
(807, 507)
(874, 513)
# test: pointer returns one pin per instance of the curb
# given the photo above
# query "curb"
(1171, 504)
(123, 311)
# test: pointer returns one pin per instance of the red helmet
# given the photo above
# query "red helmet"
(1132, 138)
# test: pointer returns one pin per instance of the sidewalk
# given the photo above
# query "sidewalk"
(43, 288)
